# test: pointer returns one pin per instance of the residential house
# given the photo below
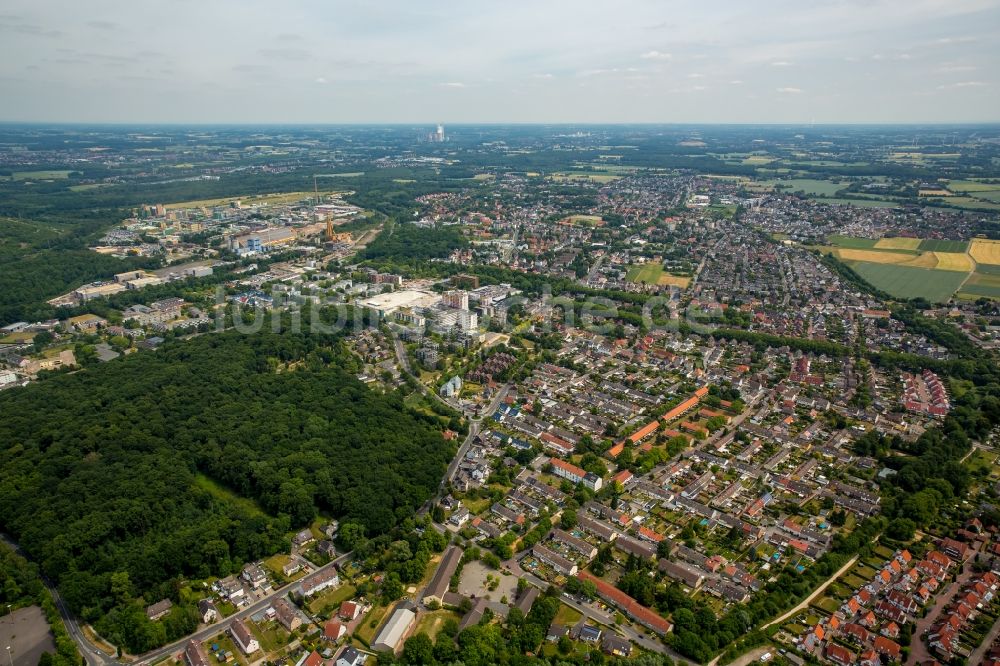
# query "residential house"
(351, 657)
(287, 615)
(319, 581)
(209, 613)
(243, 638)
(334, 630)
(194, 655)
(159, 610)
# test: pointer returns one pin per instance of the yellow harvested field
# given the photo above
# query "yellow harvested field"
(674, 280)
(874, 256)
(985, 251)
(935, 193)
(898, 244)
(953, 261)
(925, 260)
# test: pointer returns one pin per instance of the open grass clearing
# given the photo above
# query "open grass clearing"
(431, 622)
(648, 273)
(369, 626)
(220, 492)
(584, 220)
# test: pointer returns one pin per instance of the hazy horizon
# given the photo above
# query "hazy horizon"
(822, 62)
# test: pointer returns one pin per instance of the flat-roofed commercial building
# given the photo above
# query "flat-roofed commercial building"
(391, 636)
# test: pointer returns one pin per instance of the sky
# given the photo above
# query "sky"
(500, 61)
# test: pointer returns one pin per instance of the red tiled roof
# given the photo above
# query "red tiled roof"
(644, 615)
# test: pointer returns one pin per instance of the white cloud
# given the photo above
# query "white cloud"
(946, 41)
(736, 82)
(962, 84)
(781, 63)
(956, 68)
(320, 79)
(696, 75)
(453, 84)
(656, 55)
(789, 91)
(543, 76)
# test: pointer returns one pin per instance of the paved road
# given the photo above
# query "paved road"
(977, 655)
(748, 658)
(222, 625)
(919, 653)
(91, 654)
(818, 591)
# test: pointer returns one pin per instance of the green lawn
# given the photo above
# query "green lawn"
(828, 604)
(366, 630)
(225, 643)
(645, 273)
(271, 635)
(330, 601)
(567, 616)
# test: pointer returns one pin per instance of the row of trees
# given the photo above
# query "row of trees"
(21, 585)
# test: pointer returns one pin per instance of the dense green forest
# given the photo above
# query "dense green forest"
(408, 241)
(21, 585)
(190, 461)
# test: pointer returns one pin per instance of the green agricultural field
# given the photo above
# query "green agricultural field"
(970, 203)
(973, 186)
(852, 242)
(982, 284)
(932, 245)
(809, 186)
(43, 175)
(862, 203)
(909, 282)
(87, 187)
(987, 269)
(992, 196)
